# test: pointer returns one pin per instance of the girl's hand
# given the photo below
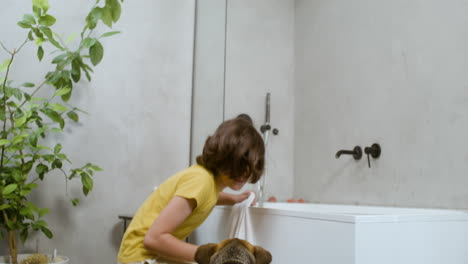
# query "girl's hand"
(231, 199)
(241, 197)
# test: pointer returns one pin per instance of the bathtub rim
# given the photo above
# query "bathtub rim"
(419, 215)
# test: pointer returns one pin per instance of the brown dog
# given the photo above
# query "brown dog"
(232, 251)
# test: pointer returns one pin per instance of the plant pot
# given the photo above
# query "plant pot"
(58, 260)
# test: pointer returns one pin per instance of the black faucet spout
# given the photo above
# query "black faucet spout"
(356, 153)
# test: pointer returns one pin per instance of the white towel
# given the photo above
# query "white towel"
(241, 225)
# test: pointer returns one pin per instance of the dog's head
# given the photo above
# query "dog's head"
(232, 251)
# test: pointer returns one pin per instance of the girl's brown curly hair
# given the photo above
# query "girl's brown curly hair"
(236, 149)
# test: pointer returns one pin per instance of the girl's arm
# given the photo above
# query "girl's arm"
(159, 239)
(230, 199)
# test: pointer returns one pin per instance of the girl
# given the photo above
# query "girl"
(231, 157)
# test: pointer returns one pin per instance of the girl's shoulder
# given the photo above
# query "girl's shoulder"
(193, 173)
(197, 170)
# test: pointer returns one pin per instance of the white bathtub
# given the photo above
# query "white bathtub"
(341, 234)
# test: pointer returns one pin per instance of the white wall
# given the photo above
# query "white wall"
(138, 129)
(392, 72)
(208, 72)
(260, 59)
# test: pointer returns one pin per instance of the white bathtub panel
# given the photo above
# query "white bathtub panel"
(290, 239)
(412, 242)
(334, 234)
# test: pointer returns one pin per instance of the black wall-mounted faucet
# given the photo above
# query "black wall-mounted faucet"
(356, 152)
(373, 151)
(266, 127)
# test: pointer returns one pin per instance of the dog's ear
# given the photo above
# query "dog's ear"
(261, 255)
(204, 253)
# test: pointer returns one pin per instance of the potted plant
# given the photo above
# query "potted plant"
(27, 152)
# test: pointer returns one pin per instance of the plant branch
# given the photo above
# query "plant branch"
(40, 86)
(4, 135)
(3, 46)
(66, 181)
(63, 43)
(22, 45)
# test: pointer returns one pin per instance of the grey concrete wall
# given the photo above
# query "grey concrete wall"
(138, 129)
(208, 79)
(392, 72)
(260, 59)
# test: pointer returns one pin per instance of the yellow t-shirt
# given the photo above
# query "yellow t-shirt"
(194, 182)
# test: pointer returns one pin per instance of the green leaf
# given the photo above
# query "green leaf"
(39, 41)
(18, 94)
(48, 32)
(2, 115)
(40, 53)
(20, 121)
(41, 170)
(63, 157)
(33, 206)
(62, 91)
(19, 138)
(30, 35)
(87, 183)
(66, 76)
(107, 16)
(89, 42)
(31, 186)
(39, 147)
(57, 148)
(25, 192)
(38, 33)
(70, 38)
(57, 164)
(96, 52)
(44, 4)
(33, 140)
(47, 20)
(37, 11)
(108, 34)
(60, 58)
(17, 175)
(76, 70)
(9, 189)
(11, 103)
(55, 117)
(66, 97)
(88, 76)
(73, 116)
(43, 211)
(4, 142)
(53, 77)
(4, 65)
(26, 168)
(27, 212)
(115, 8)
(47, 232)
(28, 84)
(29, 19)
(96, 168)
(75, 201)
(56, 130)
(35, 99)
(93, 17)
(24, 24)
(58, 107)
(4, 206)
(40, 223)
